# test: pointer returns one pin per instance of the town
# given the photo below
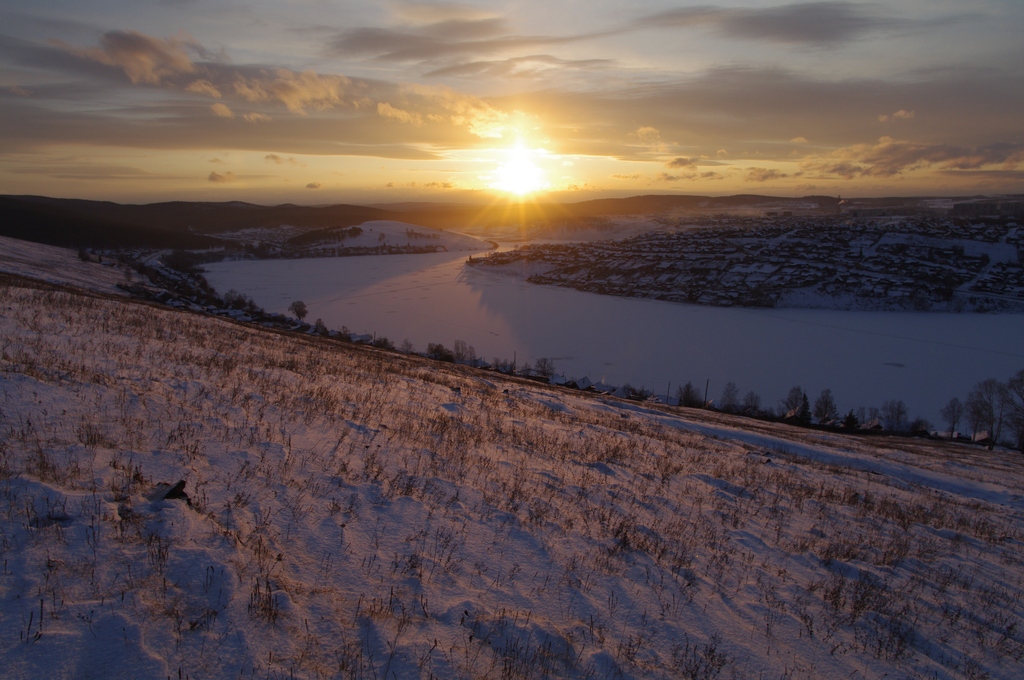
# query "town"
(835, 262)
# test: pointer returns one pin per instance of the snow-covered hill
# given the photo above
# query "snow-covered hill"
(390, 233)
(61, 266)
(377, 236)
(362, 514)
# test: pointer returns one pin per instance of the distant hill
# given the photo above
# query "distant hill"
(179, 224)
(66, 223)
(527, 212)
(189, 224)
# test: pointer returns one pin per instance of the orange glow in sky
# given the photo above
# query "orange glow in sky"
(395, 101)
(519, 174)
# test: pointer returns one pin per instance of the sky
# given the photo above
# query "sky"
(320, 101)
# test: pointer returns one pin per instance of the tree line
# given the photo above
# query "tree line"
(993, 410)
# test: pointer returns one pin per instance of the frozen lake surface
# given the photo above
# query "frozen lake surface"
(865, 358)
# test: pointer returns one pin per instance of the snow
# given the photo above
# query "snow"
(391, 233)
(997, 252)
(599, 229)
(993, 491)
(60, 266)
(647, 343)
(358, 513)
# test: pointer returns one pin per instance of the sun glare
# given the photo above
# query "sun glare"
(519, 174)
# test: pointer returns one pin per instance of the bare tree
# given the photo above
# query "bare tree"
(298, 308)
(791, 404)
(752, 403)
(464, 353)
(825, 410)
(951, 414)
(985, 407)
(545, 367)
(894, 414)
(435, 350)
(730, 397)
(920, 426)
(1015, 406)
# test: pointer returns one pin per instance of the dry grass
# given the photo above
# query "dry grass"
(359, 513)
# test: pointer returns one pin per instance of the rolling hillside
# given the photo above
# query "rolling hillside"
(357, 513)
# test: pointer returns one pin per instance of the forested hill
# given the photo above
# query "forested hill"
(178, 224)
(191, 224)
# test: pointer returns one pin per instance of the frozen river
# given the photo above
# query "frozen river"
(865, 358)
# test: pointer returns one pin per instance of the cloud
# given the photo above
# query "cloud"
(219, 178)
(257, 118)
(682, 162)
(203, 87)
(477, 116)
(798, 140)
(649, 137)
(449, 39)
(528, 66)
(439, 185)
(902, 114)
(143, 59)
(297, 91)
(313, 185)
(74, 169)
(889, 157)
(816, 23)
(386, 110)
(150, 60)
(709, 113)
(222, 110)
(625, 177)
(433, 12)
(688, 176)
(764, 175)
(446, 33)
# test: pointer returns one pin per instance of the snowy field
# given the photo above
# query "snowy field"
(61, 266)
(368, 235)
(360, 514)
(865, 358)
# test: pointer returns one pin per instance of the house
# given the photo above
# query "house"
(624, 392)
(580, 383)
(983, 438)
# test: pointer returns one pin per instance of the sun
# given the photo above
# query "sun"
(519, 174)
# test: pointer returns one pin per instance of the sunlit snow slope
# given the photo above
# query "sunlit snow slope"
(358, 513)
